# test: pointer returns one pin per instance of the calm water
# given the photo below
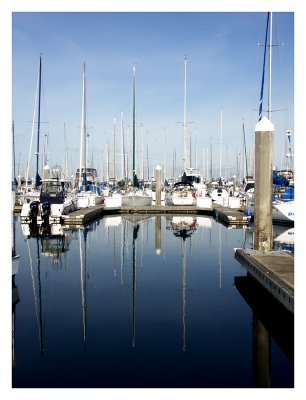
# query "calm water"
(158, 302)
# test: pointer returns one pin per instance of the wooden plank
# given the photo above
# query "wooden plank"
(274, 270)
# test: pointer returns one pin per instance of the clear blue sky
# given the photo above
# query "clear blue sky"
(224, 67)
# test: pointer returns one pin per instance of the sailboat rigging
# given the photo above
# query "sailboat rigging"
(37, 177)
(136, 197)
(89, 192)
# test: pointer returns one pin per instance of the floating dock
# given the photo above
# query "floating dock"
(230, 216)
(274, 270)
(86, 215)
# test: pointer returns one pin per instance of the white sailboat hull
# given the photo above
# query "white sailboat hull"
(136, 200)
(183, 201)
(113, 201)
(283, 211)
(219, 195)
(89, 200)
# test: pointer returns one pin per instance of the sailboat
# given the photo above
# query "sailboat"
(283, 205)
(183, 192)
(31, 192)
(49, 199)
(220, 194)
(135, 197)
(113, 199)
(88, 191)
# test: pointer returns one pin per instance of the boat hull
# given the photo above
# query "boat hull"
(283, 211)
(112, 201)
(55, 215)
(89, 200)
(135, 200)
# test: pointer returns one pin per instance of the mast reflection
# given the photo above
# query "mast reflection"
(49, 241)
(183, 227)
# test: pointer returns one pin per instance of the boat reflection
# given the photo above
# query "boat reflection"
(183, 227)
(283, 237)
(83, 279)
(15, 290)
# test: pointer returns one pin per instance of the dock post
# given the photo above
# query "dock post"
(158, 185)
(264, 143)
(19, 183)
(234, 184)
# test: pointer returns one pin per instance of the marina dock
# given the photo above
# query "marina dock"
(274, 270)
(87, 215)
(230, 215)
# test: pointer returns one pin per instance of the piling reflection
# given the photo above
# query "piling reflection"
(270, 321)
(282, 237)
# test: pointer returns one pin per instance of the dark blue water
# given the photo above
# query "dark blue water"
(151, 303)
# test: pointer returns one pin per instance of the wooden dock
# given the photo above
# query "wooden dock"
(274, 270)
(231, 216)
(83, 216)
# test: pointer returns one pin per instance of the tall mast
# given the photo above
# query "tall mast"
(114, 168)
(185, 139)
(38, 178)
(245, 154)
(211, 165)
(66, 154)
(263, 69)
(165, 155)
(221, 132)
(122, 148)
(14, 164)
(83, 130)
(134, 122)
(270, 71)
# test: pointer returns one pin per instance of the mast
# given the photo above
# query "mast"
(114, 168)
(122, 149)
(245, 153)
(134, 83)
(211, 166)
(66, 154)
(270, 71)
(83, 131)
(38, 178)
(14, 163)
(221, 129)
(185, 139)
(142, 153)
(165, 155)
(263, 70)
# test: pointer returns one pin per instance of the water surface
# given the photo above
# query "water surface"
(144, 302)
